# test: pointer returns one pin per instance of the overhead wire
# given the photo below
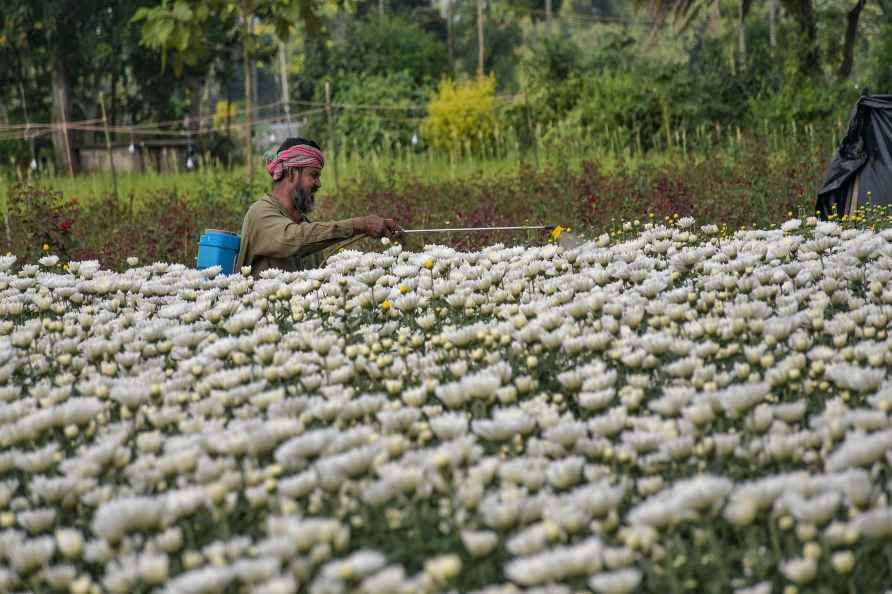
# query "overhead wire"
(21, 131)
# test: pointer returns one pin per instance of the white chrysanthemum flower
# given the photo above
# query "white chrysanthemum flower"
(859, 450)
(31, 554)
(681, 501)
(443, 568)
(356, 566)
(48, 261)
(37, 520)
(479, 543)
(449, 426)
(6, 262)
(622, 581)
(505, 423)
(760, 588)
(855, 378)
(154, 568)
(69, 542)
(556, 564)
(800, 570)
(791, 225)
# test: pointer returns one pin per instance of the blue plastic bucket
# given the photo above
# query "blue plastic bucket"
(218, 248)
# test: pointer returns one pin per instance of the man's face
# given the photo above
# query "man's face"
(306, 182)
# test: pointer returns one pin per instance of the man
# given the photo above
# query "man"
(277, 232)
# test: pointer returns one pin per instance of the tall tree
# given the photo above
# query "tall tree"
(743, 9)
(481, 47)
(178, 27)
(848, 50)
(803, 12)
(47, 26)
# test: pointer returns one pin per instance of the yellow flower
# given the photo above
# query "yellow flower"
(428, 264)
(556, 233)
(386, 305)
(46, 247)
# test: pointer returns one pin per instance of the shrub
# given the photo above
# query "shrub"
(804, 101)
(461, 116)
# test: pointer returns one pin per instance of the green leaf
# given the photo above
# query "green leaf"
(180, 39)
(182, 11)
(164, 30)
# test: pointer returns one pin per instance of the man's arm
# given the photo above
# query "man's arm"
(278, 237)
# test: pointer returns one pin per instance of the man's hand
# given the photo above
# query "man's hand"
(375, 226)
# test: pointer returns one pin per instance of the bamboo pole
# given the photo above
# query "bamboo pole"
(480, 41)
(65, 132)
(108, 146)
(247, 31)
(286, 97)
(331, 136)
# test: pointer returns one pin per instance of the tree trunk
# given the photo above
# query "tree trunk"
(229, 125)
(480, 46)
(848, 50)
(601, 8)
(61, 111)
(696, 51)
(195, 85)
(249, 96)
(450, 36)
(803, 11)
(772, 23)
(548, 15)
(113, 98)
(741, 35)
(283, 74)
(116, 45)
(715, 19)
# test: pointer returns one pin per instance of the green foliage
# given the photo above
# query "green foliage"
(804, 101)
(549, 68)
(388, 123)
(461, 116)
(585, 83)
(392, 44)
(503, 37)
(879, 74)
(179, 29)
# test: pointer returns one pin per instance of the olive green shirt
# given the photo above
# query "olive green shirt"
(270, 238)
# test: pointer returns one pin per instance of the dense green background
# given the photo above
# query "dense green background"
(642, 74)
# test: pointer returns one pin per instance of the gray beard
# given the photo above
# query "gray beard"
(303, 201)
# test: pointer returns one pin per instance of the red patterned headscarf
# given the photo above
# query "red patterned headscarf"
(302, 155)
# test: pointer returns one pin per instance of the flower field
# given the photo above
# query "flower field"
(669, 411)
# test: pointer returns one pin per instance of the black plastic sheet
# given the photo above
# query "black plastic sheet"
(865, 156)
